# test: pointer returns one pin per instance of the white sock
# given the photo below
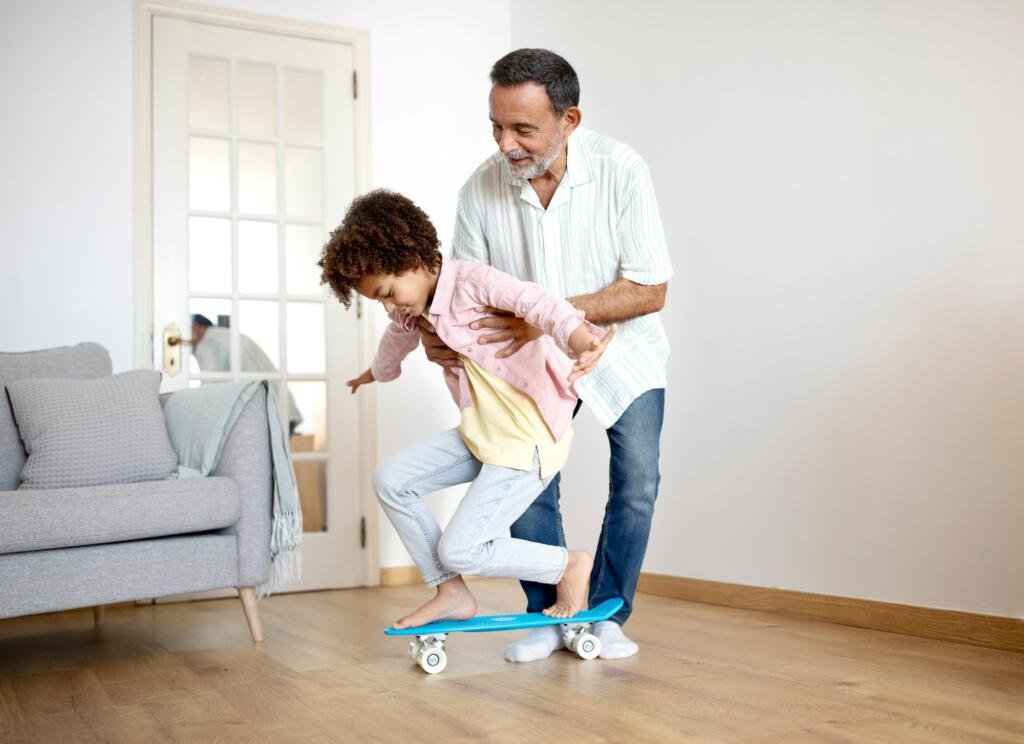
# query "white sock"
(614, 644)
(538, 644)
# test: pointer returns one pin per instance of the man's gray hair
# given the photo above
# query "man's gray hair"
(544, 67)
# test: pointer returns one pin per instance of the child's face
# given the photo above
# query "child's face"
(410, 291)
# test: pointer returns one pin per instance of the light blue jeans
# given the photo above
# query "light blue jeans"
(476, 539)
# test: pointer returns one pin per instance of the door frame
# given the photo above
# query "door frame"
(144, 12)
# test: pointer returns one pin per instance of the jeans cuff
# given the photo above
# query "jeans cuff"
(565, 564)
(441, 579)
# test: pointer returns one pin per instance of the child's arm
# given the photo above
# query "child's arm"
(588, 348)
(577, 337)
(400, 337)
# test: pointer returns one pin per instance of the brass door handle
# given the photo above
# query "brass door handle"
(172, 349)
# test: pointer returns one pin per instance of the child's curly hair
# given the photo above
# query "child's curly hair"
(382, 233)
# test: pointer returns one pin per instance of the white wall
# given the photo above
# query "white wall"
(66, 194)
(842, 185)
(66, 183)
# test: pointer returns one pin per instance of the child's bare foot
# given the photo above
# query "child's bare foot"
(454, 601)
(571, 592)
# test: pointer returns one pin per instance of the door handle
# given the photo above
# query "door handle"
(172, 349)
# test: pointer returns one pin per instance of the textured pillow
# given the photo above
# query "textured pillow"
(92, 432)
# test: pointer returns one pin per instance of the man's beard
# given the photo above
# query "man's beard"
(538, 164)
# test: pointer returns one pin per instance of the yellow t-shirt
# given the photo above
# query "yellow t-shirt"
(504, 427)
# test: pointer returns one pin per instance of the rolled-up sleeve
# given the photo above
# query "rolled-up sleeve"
(644, 256)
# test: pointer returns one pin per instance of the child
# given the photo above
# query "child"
(516, 411)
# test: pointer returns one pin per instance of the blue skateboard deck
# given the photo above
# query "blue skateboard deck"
(488, 623)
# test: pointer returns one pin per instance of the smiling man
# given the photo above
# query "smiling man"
(575, 212)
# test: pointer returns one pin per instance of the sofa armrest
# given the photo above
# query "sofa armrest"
(246, 460)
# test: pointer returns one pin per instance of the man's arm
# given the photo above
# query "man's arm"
(621, 300)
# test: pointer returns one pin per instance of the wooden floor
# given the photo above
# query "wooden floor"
(326, 673)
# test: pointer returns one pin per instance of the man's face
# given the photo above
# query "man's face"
(528, 132)
(409, 291)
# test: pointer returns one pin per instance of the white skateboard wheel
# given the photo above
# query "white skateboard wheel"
(432, 660)
(587, 645)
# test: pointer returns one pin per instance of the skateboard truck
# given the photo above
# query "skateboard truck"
(577, 638)
(428, 651)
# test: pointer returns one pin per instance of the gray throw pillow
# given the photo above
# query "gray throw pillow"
(92, 432)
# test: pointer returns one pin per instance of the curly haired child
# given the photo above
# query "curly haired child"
(516, 412)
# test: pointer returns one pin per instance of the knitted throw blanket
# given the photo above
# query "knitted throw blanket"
(199, 421)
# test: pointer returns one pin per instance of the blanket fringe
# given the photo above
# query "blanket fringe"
(286, 563)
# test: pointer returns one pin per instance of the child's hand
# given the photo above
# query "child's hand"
(363, 379)
(588, 349)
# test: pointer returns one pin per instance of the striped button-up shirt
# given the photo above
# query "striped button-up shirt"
(602, 224)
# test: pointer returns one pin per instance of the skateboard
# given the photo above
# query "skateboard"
(428, 648)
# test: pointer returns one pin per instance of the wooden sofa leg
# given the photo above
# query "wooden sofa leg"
(98, 617)
(252, 613)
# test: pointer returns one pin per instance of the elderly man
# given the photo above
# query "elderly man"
(575, 212)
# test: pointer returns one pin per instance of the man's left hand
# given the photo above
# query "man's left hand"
(507, 327)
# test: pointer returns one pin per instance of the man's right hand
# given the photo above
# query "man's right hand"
(437, 350)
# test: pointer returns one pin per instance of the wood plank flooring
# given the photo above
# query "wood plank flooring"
(326, 673)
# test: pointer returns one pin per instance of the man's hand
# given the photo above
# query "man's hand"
(436, 349)
(509, 327)
(364, 379)
(588, 349)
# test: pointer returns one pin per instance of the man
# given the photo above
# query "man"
(575, 212)
(211, 348)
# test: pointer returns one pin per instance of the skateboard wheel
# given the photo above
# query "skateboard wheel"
(414, 650)
(432, 660)
(586, 645)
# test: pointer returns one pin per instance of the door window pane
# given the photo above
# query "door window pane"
(257, 257)
(257, 178)
(303, 105)
(258, 340)
(307, 413)
(303, 182)
(305, 332)
(257, 99)
(209, 254)
(311, 480)
(303, 244)
(211, 346)
(209, 174)
(208, 93)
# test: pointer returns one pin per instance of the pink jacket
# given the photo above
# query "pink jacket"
(539, 369)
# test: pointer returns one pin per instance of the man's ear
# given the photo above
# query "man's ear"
(570, 120)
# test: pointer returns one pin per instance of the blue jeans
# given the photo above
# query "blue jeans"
(634, 478)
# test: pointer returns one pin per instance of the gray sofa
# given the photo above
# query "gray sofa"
(79, 547)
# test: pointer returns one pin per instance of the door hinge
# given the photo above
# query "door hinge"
(355, 84)
(362, 532)
(359, 308)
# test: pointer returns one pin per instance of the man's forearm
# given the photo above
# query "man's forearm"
(621, 300)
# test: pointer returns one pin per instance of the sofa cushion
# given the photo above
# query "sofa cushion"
(92, 432)
(69, 362)
(40, 519)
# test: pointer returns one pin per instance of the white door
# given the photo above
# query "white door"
(253, 165)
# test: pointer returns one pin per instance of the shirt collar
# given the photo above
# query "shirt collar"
(442, 301)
